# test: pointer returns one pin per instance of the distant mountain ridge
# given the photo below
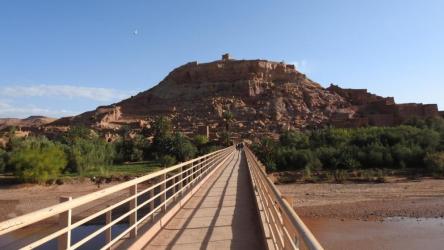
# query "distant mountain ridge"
(32, 121)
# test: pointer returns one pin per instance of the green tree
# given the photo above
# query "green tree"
(201, 141)
(225, 138)
(167, 161)
(87, 155)
(182, 148)
(296, 159)
(294, 139)
(328, 156)
(435, 162)
(3, 159)
(38, 160)
(265, 151)
(162, 127)
(228, 118)
(135, 149)
(77, 132)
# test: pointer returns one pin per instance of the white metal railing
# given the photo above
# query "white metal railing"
(282, 227)
(169, 185)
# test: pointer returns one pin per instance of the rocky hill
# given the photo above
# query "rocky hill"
(32, 121)
(261, 97)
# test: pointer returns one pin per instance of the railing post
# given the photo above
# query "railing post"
(152, 203)
(173, 184)
(202, 167)
(199, 167)
(181, 181)
(163, 193)
(190, 175)
(64, 240)
(133, 215)
(108, 220)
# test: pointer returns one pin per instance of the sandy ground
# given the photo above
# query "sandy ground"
(20, 199)
(424, 198)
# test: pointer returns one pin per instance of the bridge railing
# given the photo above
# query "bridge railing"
(282, 227)
(161, 190)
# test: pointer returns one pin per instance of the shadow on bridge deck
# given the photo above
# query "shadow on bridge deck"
(221, 215)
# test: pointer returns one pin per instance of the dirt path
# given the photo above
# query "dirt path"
(423, 198)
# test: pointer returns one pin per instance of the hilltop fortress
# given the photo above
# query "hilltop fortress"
(264, 97)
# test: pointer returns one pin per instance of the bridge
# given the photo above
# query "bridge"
(222, 200)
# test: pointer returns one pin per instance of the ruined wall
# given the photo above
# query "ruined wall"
(360, 96)
(408, 110)
(232, 71)
(381, 111)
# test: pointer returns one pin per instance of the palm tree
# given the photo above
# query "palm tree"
(228, 119)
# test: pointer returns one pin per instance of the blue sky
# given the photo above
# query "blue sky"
(60, 58)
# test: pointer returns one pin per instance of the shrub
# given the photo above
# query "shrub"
(225, 138)
(292, 159)
(200, 141)
(347, 161)
(337, 137)
(375, 155)
(183, 149)
(77, 132)
(427, 139)
(408, 155)
(294, 139)
(135, 149)
(340, 175)
(209, 148)
(87, 155)
(265, 150)
(270, 166)
(2, 160)
(307, 176)
(167, 160)
(162, 145)
(435, 162)
(327, 156)
(38, 160)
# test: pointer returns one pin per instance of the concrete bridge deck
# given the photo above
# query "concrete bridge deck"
(221, 215)
(221, 200)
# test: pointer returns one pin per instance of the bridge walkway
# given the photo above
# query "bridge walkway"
(221, 215)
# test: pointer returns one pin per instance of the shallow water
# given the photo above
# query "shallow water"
(27, 235)
(392, 233)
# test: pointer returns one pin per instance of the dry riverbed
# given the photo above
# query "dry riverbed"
(374, 201)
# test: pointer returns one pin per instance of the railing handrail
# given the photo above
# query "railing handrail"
(285, 208)
(42, 214)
